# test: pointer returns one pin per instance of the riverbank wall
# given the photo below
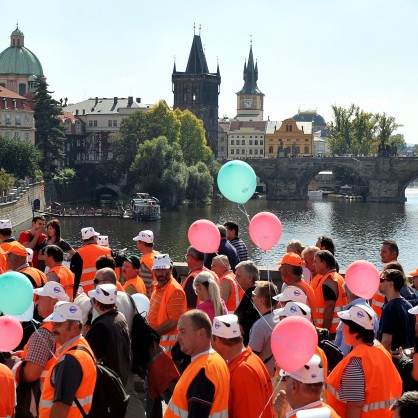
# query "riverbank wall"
(23, 202)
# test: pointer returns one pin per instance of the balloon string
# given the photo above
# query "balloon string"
(271, 396)
(243, 211)
(34, 322)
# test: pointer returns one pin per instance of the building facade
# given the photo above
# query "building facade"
(246, 139)
(16, 116)
(197, 90)
(19, 66)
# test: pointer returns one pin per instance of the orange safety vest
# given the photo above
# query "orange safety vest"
(89, 254)
(84, 392)
(383, 385)
(236, 292)
(146, 273)
(37, 275)
(7, 398)
(319, 405)
(137, 283)
(310, 294)
(3, 262)
(66, 277)
(168, 340)
(377, 303)
(193, 275)
(320, 301)
(217, 372)
(48, 326)
(324, 359)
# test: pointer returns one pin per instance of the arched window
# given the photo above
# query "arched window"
(270, 149)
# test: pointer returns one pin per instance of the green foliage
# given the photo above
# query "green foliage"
(159, 169)
(64, 175)
(50, 134)
(200, 185)
(354, 131)
(161, 121)
(6, 182)
(19, 158)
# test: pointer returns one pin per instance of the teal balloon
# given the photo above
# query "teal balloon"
(237, 181)
(16, 293)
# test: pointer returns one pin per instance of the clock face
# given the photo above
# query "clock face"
(248, 103)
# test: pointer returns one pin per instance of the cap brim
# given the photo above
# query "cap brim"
(414, 310)
(165, 267)
(40, 291)
(280, 298)
(279, 312)
(57, 318)
(344, 315)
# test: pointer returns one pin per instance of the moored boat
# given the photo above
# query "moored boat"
(145, 207)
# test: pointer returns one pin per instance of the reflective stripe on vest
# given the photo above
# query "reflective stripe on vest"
(83, 402)
(89, 270)
(377, 303)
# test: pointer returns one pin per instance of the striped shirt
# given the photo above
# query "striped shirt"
(174, 307)
(241, 248)
(353, 384)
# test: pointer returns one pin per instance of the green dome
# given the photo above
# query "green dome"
(17, 32)
(19, 61)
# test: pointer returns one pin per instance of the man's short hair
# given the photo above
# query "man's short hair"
(222, 230)
(108, 274)
(196, 254)
(396, 277)
(230, 341)
(38, 218)
(266, 291)
(6, 232)
(222, 259)
(312, 249)
(105, 261)
(328, 243)
(232, 226)
(393, 247)
(327, 257)
(407, 405)
(200, 319)
(250, 269)
(55, 252)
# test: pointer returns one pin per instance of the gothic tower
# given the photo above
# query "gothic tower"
(250, 100)
(197, 90)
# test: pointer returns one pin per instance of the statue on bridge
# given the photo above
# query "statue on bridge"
(387, 150)
(281, 151)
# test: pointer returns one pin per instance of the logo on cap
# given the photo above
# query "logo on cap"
(360, 314)
(296, 292)
(57, 289)
(217, 325)
(293, 309)
(73, 309)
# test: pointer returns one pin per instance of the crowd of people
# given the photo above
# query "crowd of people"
(214, 328)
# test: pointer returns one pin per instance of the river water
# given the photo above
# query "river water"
(358, 228)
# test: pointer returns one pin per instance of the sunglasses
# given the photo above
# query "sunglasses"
(97, 281)
(384, 280)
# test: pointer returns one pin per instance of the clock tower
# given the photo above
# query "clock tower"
(250, 100)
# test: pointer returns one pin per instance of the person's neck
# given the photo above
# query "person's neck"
(392, 295)
(303, 399)
(232, 352)
(264, 309)
(292, 280)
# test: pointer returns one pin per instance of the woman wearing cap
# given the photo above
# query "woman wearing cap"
(208, 292)
(365, 383)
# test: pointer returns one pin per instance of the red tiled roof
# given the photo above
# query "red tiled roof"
(8, 94)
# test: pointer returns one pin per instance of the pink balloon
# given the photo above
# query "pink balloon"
(362, 278)
(293, 342)
(204, 235)
(11, 333)
(265, 230)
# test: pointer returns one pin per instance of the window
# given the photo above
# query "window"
(18, 119)
(243, 151)
(232, 151)
(243, 142)
(251, 136)
(306, 150)
(95, 123)
(26, 120)
(7, 134)
(8, 119)
(261, 142)
(109, 123)
(306, 140)
(255, 141)
(90, 123)
(256, 151)
(26, 136)
(270, 149)
(115, 123)
(261, 152)
(232, 141)
(251, 141)
(237, 151)
(251, 151)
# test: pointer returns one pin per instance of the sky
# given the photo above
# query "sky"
(311, 54)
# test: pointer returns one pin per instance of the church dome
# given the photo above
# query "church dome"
(310, 116)
(19, 60)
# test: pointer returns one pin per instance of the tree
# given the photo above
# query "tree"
(192, 138)
(200, 184)
(19, 158)
(159, 169)
(162, 121)
(6, 182)
(386, 125)
(50, 134)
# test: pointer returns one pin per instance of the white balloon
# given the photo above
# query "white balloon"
(142, 303)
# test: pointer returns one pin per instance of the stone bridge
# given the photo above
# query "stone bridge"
(384, 178)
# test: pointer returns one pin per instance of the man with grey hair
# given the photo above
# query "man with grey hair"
(246, 274)
(308, 256)
(226, 248)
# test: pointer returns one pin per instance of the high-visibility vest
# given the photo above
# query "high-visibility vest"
(236, 292)
(3, 262)
(37, 275)
(89, 254)
(377, 303)
(217, 372)
(7, 398)
(168, 340)
(50, 362)
(66, 277)
(146, 272)
(319, 405)
(192, 275)
(320, 301)
(311, 298)
(383, 385)
(84, 392)
(137, 283)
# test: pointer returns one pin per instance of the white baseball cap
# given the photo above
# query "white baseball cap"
(88, 232)
(103, 240)
(53, 290)
(360, 314)
(5, 224)
(161, 261)
(64, 311)
(145, 236)
(226, 326)
(30, 254)
(294, 309)
(311, 372)
(104, 293)
(414, 310)
(292, 293)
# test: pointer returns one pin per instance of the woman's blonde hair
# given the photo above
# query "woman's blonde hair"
(206, 279)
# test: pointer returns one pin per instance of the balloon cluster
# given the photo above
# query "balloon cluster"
(16, 295)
